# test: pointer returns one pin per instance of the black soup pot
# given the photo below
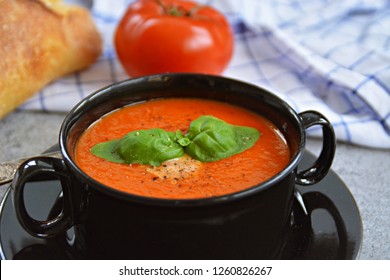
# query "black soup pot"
(109, 224)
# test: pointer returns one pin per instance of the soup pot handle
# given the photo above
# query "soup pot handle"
(321, 166)
(31, 168)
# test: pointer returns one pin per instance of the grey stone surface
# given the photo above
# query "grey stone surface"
(365, 171)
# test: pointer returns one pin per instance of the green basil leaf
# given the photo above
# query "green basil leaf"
(149, 147)
(208, 139)
(108, 151)
(183, 141)
(213, 139)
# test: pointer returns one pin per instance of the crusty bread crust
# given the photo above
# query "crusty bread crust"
(41, 40)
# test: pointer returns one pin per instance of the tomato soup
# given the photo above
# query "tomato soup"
(183, 178)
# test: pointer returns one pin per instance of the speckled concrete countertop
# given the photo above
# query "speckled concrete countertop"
(366, 172)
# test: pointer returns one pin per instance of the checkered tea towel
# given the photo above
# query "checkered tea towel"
(326, 55)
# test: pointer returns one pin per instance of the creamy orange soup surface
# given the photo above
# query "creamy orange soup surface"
(183, 178)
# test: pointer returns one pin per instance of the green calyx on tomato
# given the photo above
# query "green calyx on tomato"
(208, 139)
(165, 36)
(174, 10)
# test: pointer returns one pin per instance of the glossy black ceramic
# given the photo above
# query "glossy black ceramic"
(317, 238)
(151, 228)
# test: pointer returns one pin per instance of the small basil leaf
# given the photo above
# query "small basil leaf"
(183, 141)
(108, 151)
(213, 139)
(149, 147)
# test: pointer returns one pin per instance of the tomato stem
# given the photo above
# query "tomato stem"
(163, 6)
(195, 9)
(179, 11)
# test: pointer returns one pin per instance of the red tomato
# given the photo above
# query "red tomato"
(160, 36)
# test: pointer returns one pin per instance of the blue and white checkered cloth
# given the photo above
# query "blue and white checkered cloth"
(326, 55)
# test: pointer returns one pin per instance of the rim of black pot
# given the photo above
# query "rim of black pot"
(90, 101)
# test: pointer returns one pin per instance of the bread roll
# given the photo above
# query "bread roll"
(41, 40)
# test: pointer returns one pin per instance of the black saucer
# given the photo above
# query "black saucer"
(334, 229)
